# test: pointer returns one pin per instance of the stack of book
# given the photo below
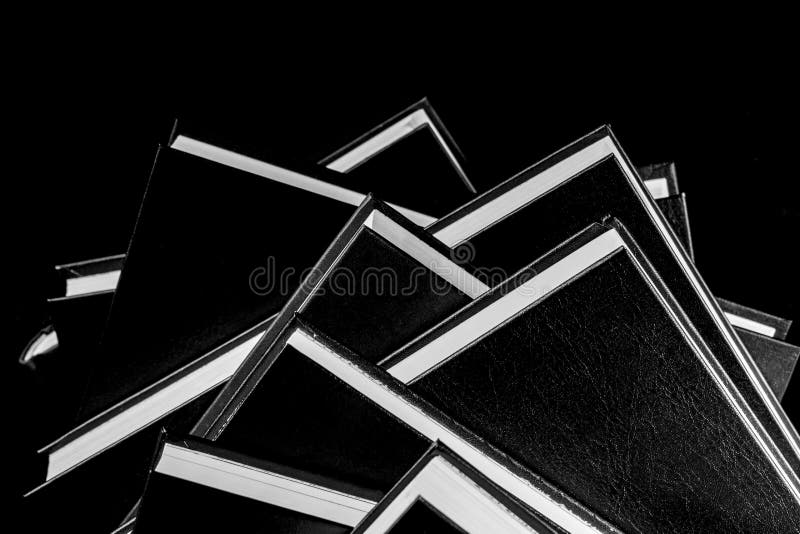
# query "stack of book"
(365, 343)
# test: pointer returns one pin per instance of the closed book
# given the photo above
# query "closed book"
(443, 493)
(582, 183)
(776, 359)
(194, 486)
(321, 408)
(585, 369)
(409, 152)
(208, 266)
(381, 274)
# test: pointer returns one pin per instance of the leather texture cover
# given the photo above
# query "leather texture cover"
(674, 210)
(605, 189)
(776, 359)
(203, 266)
(602, 388)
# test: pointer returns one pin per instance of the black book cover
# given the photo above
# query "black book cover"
(433, 487)
(197, 271)
(382, 274)
(674, 210)
(180, 496)
(584, 182)
(321, 408)
(208, 267)
(587, 371)
(776, 359)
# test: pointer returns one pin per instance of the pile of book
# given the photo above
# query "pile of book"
(318, 347)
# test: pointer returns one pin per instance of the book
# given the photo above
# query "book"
(382, 273)
(408, 153)
(777, 359)
(585, 370)
(195, 294)
(580, 184)
(443, 493)
(197, 487)
(760, 332)
(321, 408)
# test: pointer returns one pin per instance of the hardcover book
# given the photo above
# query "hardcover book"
(321, 408)
(381, 274)
(585, 369)
(196, 293)
(585, 182)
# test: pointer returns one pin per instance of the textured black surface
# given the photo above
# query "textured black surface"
(202, 231)
(776, 359)
(601, 191)
(597, 389)
(674, 210)
(364, 291)
(303, 417)
(174, 505)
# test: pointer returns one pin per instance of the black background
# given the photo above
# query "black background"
(89, 127)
